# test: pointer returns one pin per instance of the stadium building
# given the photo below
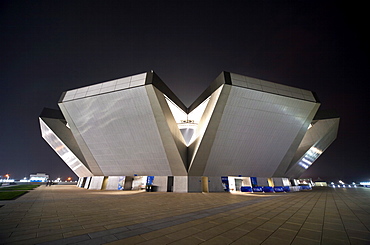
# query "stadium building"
(241, 132)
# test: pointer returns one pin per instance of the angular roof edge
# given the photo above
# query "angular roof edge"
(51, 113)
(154, 79)
(326, 114)
(223, 78)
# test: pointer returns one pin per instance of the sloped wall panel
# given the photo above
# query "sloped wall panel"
(120, 130)
(285, 162)
(90, 160)
(317, 139)
(255, 132)
(77, 166)
(173, 142)
(199, 150)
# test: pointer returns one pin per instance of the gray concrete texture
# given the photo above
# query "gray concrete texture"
(63, 214)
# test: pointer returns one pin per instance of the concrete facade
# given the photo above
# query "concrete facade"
(136, 127)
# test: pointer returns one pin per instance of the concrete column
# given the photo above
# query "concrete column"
(161, 183)
(87, 183)
(80, 179)
(180, 184)
(96, 183)
(112, 183)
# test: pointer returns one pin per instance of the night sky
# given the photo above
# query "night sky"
(48, 47)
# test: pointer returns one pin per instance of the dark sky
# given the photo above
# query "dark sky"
(48, 47)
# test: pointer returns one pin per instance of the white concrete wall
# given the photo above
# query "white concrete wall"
(96, 183)
(195, 184)
(215, 184)
(180, 184)
(161, 183)
(112, 183)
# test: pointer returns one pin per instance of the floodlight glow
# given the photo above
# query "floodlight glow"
(177, 113)
(306, 161)
(187, 123)
(62, 150)
(197, 113)
(305, 166)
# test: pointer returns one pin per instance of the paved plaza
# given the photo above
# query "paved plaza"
(63, 214)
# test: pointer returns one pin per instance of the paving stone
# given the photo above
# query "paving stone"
(310, 234)
(331, 241)
(235, 234)
(131, 233)
(304, 241)
(259, 234)
(183, 233)
(269, 226)
(187, 240)
(291, 226)
(274, 241)
(312, 226)
(359, 234)
(357, 241)
(15, 237)
(218, 240)
(159, 240)
(69, 240)
(130, 240)
(246, 240)
(335, 234)
(284, 235)
(155, 234)
(43, 239)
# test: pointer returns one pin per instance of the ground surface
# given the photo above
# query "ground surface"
(70, 215)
